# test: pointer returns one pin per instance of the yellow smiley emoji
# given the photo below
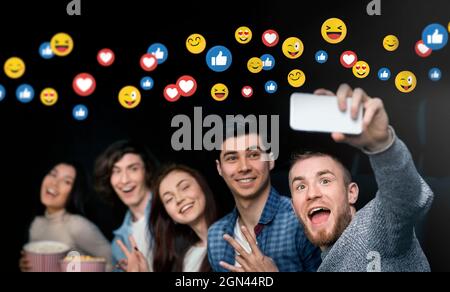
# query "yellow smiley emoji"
(196, 43)
(243, 35)
(49, 97)
(61, 44)
(296, 78)
(334, 30)
(14, 68)
(255, 65)
(219, 92)
(129, 97)
(406, 81)
(361, 69)
(391, 43)
(293, 48)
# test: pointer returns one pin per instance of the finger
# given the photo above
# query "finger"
(371, 109)
(123, 248)
(231, 268)
(133, 243)
(237, 247)
(359, 96)
(322, 91)
(251, 240)
(243, 262)
(344, 92)
(338, 137)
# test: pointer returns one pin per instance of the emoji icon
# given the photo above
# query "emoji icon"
(391, 43)
(270, 38)
(255, 65)
(296, 78)
(196, 43)
(334, 30)
(159, 51)
(321, 57)
(243, 35)
(406, 81)
(61, 44)
(219, 59)
(422, 50)
(247, 91)
(2, 92)
(271, 87)
(106, 57)
(348, 59)
(25, 93)
(14, 68)
(172, 93)
(435, 74)
(293, 48)
(384, 74)
(361, 69)
(147, 83)
(80, 112)
(129, 97)
(45, 51)
(84, 84)
(148, 62)
(49, 96)
(268, 62)
(219, 92)
(187, 85)
(435, 36)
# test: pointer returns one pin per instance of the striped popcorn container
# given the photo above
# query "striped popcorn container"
(45, 256)
(83, 264)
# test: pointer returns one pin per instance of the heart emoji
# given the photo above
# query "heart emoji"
(84, 84)
(270, 38)
(172, 93)
(187, 85)
(349, 59)
(148, 62)
(105, 57)
(247, 91)
(422, 50)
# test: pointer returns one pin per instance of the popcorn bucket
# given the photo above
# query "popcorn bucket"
(45, 256)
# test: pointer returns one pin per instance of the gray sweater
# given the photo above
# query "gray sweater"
(381, 236)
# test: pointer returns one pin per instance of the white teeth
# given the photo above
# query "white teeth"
(246, 180)
(51, 191)
(185, 208)
(127, 189)
(316, 210)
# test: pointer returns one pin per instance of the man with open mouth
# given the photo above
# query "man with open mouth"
(380, 236)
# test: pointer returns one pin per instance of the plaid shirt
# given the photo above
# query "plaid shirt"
(279, 235)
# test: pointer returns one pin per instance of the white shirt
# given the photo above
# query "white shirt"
(194, 259)
(240, 238)
(141, 236)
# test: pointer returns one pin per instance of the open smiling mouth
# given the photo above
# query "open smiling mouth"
(220, 95)
(130, 103)
(361, 74)
(293, 54)
(334, 35)
(406, 87)
(319, 215)
(62, 48)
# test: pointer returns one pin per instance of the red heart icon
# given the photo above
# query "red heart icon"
(270, 38)
(187, 85)
(172, 93)
(106, 57)
(84, 84)
(148, 62)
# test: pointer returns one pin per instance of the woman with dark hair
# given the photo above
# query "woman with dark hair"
(125, 171)
(183, 209)
(62, 195)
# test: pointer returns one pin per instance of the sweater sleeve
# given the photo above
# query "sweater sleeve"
(402, 192)
(88, 238)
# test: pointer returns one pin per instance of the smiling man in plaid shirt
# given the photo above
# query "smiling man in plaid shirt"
(262, 234)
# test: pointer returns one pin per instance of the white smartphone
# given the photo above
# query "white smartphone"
(316, 113)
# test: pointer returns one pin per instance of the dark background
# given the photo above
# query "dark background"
(34, 137)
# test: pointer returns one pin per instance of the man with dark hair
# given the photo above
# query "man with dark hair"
(126, 170)
(380, 236)
(262, 234)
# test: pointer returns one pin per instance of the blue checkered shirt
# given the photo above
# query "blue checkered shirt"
(279, 235)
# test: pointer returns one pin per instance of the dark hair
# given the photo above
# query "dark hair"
(172, 241)
(300, 156)
(105, 163)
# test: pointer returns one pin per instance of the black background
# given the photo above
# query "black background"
(33, 136)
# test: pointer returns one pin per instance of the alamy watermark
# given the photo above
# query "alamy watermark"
(190, 135)
(374, 8)
(74, 8)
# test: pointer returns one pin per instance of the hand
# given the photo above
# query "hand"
(375, 135)
(250, 262)
(24, 263)
(136, 261)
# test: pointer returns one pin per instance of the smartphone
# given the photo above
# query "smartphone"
(316, 113)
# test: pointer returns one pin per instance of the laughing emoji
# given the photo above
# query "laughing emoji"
(293, 48)
(61, 44)
(334, 30)
(219, 92)
(14, 68)
(406, 81)
(255, 65)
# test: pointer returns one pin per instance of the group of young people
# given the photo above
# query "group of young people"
(172, 223)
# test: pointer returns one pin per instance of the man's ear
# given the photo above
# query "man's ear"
(353, 193)
(219, 169)
(271, 161)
